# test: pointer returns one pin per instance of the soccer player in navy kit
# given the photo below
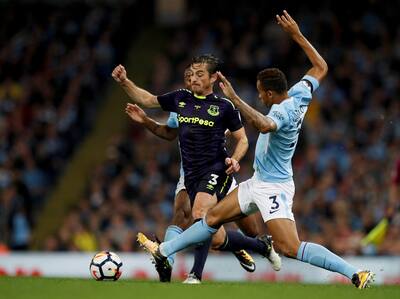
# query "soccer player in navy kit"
(271, 189)
(203, 119)
(182, 217)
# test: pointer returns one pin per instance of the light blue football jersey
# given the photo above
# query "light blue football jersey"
(172, 122)
(274, 150)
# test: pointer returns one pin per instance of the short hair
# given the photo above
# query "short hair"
(273, 79)
(213, 63)
(187, 69)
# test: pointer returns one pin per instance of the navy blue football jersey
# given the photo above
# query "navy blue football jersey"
(202, 125)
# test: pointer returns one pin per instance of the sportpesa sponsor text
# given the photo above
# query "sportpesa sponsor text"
(195, 120)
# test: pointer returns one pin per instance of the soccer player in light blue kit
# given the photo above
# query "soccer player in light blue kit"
(271, 189)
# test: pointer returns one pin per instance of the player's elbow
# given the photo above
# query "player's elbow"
(265, 128)
(324, 68)
(147, 104)
(321, 68)
(149, 101)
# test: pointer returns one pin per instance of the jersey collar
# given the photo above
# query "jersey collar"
(199, 97)
(209, 96)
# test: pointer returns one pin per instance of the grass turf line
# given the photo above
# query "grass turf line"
(60, 288)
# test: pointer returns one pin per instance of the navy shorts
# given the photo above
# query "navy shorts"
(212, 182)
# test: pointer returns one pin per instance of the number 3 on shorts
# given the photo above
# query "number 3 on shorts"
(213, 180)
(275, 204)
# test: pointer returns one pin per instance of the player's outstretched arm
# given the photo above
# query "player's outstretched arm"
(137, 94)
(255, 118)
(138, 115)
(319, 66)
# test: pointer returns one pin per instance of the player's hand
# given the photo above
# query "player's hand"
(119, 74)
(288, 24)
(226, 87)
(136, 113)
(234, 165)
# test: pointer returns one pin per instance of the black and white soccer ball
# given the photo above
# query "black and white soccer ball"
(105, 265)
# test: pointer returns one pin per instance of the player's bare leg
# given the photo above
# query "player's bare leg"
(202, 203)
(182, 210)
(225, 211)
(229, 210)
(250, 225)
(287, 242)
(284, 233)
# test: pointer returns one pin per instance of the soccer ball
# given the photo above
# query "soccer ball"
(105, 265)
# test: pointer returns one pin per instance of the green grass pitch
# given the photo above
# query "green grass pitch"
(27, 288)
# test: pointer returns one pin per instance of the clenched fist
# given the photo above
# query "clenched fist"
(119, 74)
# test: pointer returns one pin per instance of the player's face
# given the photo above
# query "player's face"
(201, 82)
(264, 95)
(186, 78)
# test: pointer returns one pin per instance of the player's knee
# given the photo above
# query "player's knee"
(250, 231)
(217, 241)
(186, 222)
(198, 214)
(212, 219)
(179, 219)
(288, 249)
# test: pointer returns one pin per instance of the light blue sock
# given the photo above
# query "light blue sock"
(197, 233)
(319, 256)
(172, 232)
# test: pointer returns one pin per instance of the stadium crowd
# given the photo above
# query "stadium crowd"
(343, 164)
(52, 67)
(342, 167)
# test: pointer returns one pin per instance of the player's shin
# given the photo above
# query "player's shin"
(319, 256)
(200, 257)
(196, 233)
(172, 232)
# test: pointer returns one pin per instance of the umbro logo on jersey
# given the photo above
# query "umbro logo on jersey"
(181, 104)
(210, 187)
